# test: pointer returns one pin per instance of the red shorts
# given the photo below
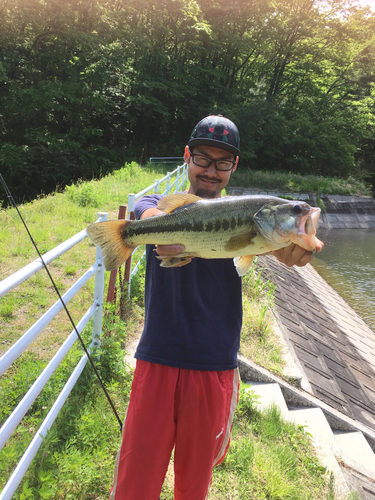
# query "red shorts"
(170, 407)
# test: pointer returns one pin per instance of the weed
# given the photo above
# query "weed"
(286, 197)
(353, 495)
(331, 487)
(83, 194)
(258, 342)
(247, 402)
(17, 380)
(7, 306)
(321, 204)
(70, 269)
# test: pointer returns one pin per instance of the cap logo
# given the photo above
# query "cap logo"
(218, 133)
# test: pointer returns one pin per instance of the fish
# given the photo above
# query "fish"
(237, 227)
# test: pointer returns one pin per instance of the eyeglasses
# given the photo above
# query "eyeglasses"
(205, 162)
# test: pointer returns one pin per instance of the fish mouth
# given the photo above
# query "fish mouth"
(310, 224)
(306, 229)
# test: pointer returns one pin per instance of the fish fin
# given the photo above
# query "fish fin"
(173, 201)
(243, 264)
(172, 261)
(238, 242)
(175, 260)
(108, 235)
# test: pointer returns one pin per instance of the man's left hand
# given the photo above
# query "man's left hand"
(294, 255)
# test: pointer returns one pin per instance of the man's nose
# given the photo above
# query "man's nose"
(211, 170)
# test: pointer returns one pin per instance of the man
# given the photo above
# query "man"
(185, 386)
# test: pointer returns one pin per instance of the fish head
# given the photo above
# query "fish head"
(292, 221)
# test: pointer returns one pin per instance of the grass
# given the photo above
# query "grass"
(294, 183)
(258, 340)
(268, 458)
(76, 459)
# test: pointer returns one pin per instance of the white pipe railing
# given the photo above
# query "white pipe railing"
(34, 391)
(26, 272)
(34, 446)
(94, 311)
(17, 349)
(181, 177)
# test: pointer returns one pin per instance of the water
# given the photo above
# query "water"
(347, 263)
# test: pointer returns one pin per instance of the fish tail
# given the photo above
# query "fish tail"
(110, 236)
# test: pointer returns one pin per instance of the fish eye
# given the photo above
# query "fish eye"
(297, 209)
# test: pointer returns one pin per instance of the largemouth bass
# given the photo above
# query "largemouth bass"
(237, 227)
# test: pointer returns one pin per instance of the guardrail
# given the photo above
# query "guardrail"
(181, 173)
(94, 311)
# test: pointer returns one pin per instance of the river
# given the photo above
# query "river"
(347, 263)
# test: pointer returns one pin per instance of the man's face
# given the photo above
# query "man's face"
(208, 182)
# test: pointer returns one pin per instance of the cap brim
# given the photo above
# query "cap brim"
(215, 144)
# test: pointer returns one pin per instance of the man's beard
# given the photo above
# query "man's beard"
(204, 193)
(209, 193)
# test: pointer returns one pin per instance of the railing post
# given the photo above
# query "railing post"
(184, 168)
(131, 204)
(168, 183)
(113, 275)
(177, 180)
(130, 216)
(128, 264)
(156, 190)
(98, 292)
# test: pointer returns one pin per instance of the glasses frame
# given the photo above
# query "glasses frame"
(212, 161)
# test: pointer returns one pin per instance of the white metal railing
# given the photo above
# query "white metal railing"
(94, 311)
(181, 177)
(171, 186)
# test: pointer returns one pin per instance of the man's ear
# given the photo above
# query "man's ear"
(186, 154)
(235, 165)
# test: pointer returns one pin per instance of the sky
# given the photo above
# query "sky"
(371, 3)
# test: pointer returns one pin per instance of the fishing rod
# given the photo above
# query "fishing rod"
(13, 203)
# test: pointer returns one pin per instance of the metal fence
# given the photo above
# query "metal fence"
(94, 311)
(171, 186)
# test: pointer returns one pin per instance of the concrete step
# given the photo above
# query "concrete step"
(316, 424)
(270, 394)
(355, 448)
(325, 445)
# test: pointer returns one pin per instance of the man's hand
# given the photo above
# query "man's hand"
(294, 255)
(172, 250)
(164, 250)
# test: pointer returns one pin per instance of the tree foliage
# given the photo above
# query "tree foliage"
(86, 85)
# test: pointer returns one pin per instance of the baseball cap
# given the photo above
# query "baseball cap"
(216, 131)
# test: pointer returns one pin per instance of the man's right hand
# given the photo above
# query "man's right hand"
(164, 250)
(171, 250)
